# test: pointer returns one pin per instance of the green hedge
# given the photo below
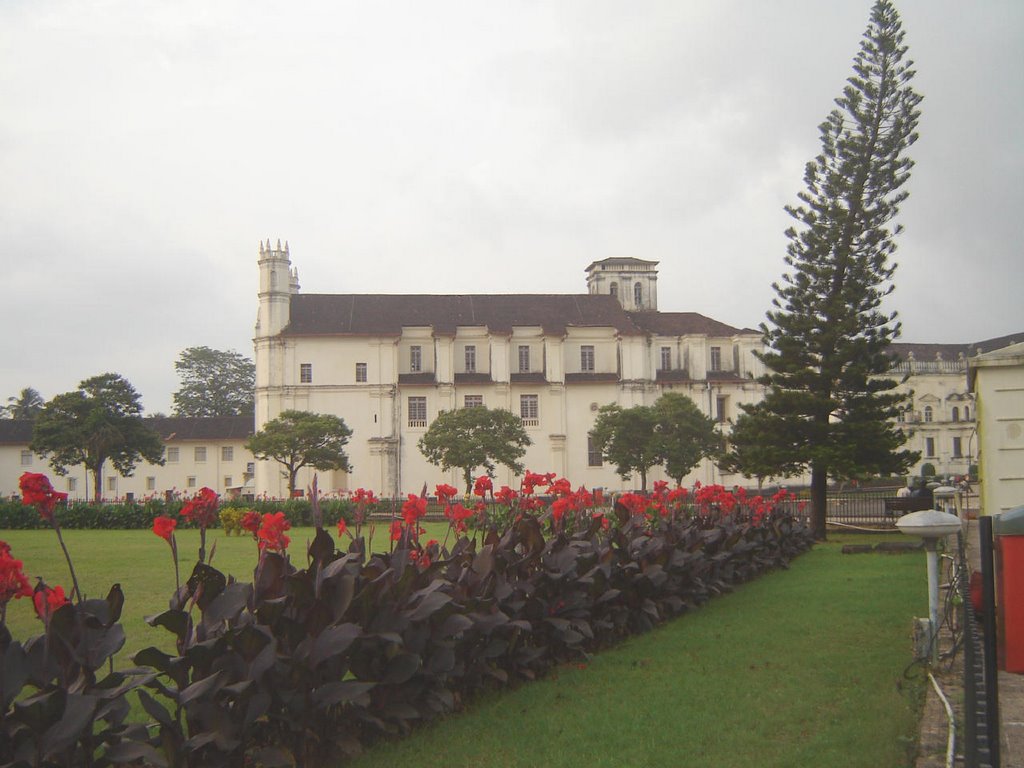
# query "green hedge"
(15, 515)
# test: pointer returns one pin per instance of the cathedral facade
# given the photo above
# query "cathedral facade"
(389, 364)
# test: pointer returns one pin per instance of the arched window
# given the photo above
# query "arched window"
(613, 290)
(927, 413)
(638, 294)
(956, 413)
(967, 413)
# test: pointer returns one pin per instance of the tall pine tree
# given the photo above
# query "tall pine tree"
(828, 406)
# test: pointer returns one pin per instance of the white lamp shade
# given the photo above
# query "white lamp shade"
(929, 524)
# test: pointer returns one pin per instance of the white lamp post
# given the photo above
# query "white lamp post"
(931, 525)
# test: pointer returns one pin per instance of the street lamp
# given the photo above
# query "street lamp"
(931, 525)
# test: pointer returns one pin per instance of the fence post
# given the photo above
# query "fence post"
(988, 593)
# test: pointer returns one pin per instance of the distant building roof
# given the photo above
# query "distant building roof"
(387, 314)
(929, 352)
(210, 428)
(683, 323)
(15, 431)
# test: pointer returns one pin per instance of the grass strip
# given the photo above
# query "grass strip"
(803, 667)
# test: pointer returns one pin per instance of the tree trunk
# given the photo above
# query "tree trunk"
(819, 500)
(97, 484)
(643, 481)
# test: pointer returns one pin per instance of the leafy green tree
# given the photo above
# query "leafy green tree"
(829, 406)
(100, 421)
(468, 438)
(298, 439)
(684, 435)
(752, 453)
(627, 438)
(214, 383)
(25, 405)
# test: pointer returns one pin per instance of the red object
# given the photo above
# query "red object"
(1010, 597)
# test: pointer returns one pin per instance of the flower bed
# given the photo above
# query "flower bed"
(303, 666)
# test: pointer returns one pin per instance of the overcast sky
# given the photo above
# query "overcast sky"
(464, 147)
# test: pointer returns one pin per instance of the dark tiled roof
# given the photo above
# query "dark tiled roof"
(420, 379)
(15, 431)
(387, 314)
(683, 323)
(590, 378)
(929, 352)
(472, 378)
(527, 378)
(212, 428)
(676, 374)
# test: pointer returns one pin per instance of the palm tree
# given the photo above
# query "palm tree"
(25, 405)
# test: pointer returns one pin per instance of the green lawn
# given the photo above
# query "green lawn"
(801, 668)
(141, 562)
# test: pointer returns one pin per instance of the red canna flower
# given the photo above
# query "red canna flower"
(47, 601)
(13, 583)
(445, 492)
(36, 489)
(396, 530)
(342, 527)
(505, 495)
(560, 487)
(202, 508)
(414, 509)
(271, 533)
(458, 515)
(164, 527)
(251, 521)
(532, 479)
(482, 485)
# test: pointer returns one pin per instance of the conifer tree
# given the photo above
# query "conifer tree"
(828, 406)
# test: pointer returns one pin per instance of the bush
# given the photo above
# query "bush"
(927, 469)
(307, 666)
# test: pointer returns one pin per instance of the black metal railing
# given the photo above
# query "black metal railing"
(981, 680)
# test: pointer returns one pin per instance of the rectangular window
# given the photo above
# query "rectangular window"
(200, 454)
(721, 408)
(528, 410)
(524, 358)
(150, 483)
(26, 458)
(593, 455)
(716, 358)
(228, 481)
(360, 372)
(470, 358)
(587, 357)
(416, 359)
(111, 483)
(227, 453)
(666, 358)
(474, 401)
(417, 411)
(72, 484)
(190, 481)
(172, 455)
(929, 446)
(250, 467)
(958, 448)
(305, 373)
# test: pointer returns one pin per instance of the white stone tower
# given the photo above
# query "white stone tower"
(278, 281)
(634, 282)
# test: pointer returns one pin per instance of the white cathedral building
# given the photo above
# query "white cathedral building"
(389, 364)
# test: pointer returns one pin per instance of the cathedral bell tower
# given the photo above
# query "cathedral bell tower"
(634, 282)
(278, 281)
